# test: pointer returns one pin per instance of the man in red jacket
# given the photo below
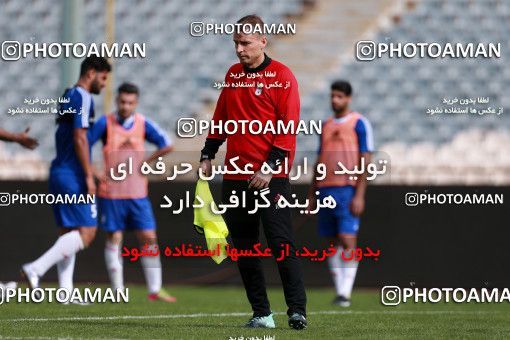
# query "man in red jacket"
(258, 99)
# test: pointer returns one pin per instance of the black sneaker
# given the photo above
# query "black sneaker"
(342, 301)
(297, 321)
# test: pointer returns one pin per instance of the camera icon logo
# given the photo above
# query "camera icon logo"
(11, 50)
(5, 199)
(197, 29)
(411, 199)
(391, 295)
(187, 127)
(365, 50)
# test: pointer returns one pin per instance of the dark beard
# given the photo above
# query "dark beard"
(94, 88)
(340, 110)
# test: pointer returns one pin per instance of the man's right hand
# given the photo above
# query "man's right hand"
(91, 184)
(206, 167)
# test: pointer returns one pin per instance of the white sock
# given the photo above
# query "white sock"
(65, 270)
(152, 270)
(66, 245)
(335, 267)
(114, 265)
(349, 269)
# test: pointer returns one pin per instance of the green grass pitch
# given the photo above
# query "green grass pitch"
(220, 313)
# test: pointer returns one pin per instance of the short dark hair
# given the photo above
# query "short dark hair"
(99, 64)
(342, 86)
(252, 19)
(128, 88)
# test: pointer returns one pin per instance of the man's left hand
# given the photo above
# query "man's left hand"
(259, 180)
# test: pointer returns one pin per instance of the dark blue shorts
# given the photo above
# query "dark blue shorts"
(126, 214)
(71, 215)
(338, 220)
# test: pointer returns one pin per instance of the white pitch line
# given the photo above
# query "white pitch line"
(199, 315)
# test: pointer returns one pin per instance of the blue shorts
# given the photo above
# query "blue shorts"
(126, 214)
(71, 215)
(338, 220)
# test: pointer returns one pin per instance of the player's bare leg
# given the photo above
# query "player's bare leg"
(113, 259)
(152, 267)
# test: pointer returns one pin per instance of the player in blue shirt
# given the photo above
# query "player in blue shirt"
(123, 203)
(71, 173)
